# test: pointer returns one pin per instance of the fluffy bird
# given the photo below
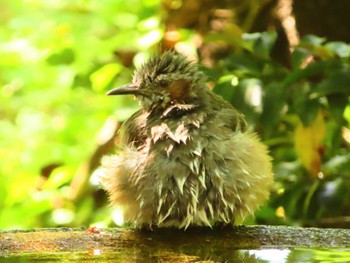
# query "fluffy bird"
(186, 158)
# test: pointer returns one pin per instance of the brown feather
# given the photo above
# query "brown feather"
(188, 162)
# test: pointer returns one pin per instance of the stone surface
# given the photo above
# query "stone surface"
(172, 245)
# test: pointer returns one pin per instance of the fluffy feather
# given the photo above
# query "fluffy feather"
(188, 161)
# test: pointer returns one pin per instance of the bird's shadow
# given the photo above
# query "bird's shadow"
(197, 243)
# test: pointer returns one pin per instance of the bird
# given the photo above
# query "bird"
(187, 158)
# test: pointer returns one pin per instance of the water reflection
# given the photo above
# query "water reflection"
(141, 255)
(270, 255)
(319, 255)
(301, 255)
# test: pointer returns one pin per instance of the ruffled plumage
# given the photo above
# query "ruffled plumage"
(190, 162)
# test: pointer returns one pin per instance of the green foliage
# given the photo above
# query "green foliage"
(57, 62)
(59, 58)
(281, 102)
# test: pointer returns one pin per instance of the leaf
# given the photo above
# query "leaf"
(309, 111)
(337, 82)
(260, 43)
(102, 77)
(64, 56)
(303, 104)
(274, 100)
(245, 63)
(236, 92)
(224, 87)
(308, 142)
(298, 57)
(316, 45)
(337, 104)
(341, 49)
(58, 177)
(347, 113)
(311, 70)
(265, 43)
(232, 35)
(338, 164)
(312, 40)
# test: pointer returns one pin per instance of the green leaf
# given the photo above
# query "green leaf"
(303, 104)
(260, 43)
(338, 82)
(103, 77)
(337, 163)
(232, 35)
(238, 93)
(341, 49)
(224, 87)
(64, 56)
(312, 40)
(347, 113)
(274, 100)
(264, 44)
(337, 104)
(298, 56)
(311, 70)
(316, 45)
(245, 63)
(311, 107)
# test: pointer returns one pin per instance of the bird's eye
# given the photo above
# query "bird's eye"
(163, 83)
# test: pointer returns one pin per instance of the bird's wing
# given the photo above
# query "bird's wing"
(133, 130)
(235, 119)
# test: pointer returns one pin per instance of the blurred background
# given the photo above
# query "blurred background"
(283, 63)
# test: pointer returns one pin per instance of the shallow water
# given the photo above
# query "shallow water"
(137, 255)
(239, 244)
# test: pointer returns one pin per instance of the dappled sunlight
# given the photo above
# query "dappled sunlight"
(60, 57)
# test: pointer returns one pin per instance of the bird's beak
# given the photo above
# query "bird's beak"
(125, 89)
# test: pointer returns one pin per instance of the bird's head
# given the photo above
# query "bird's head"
(164, 81)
